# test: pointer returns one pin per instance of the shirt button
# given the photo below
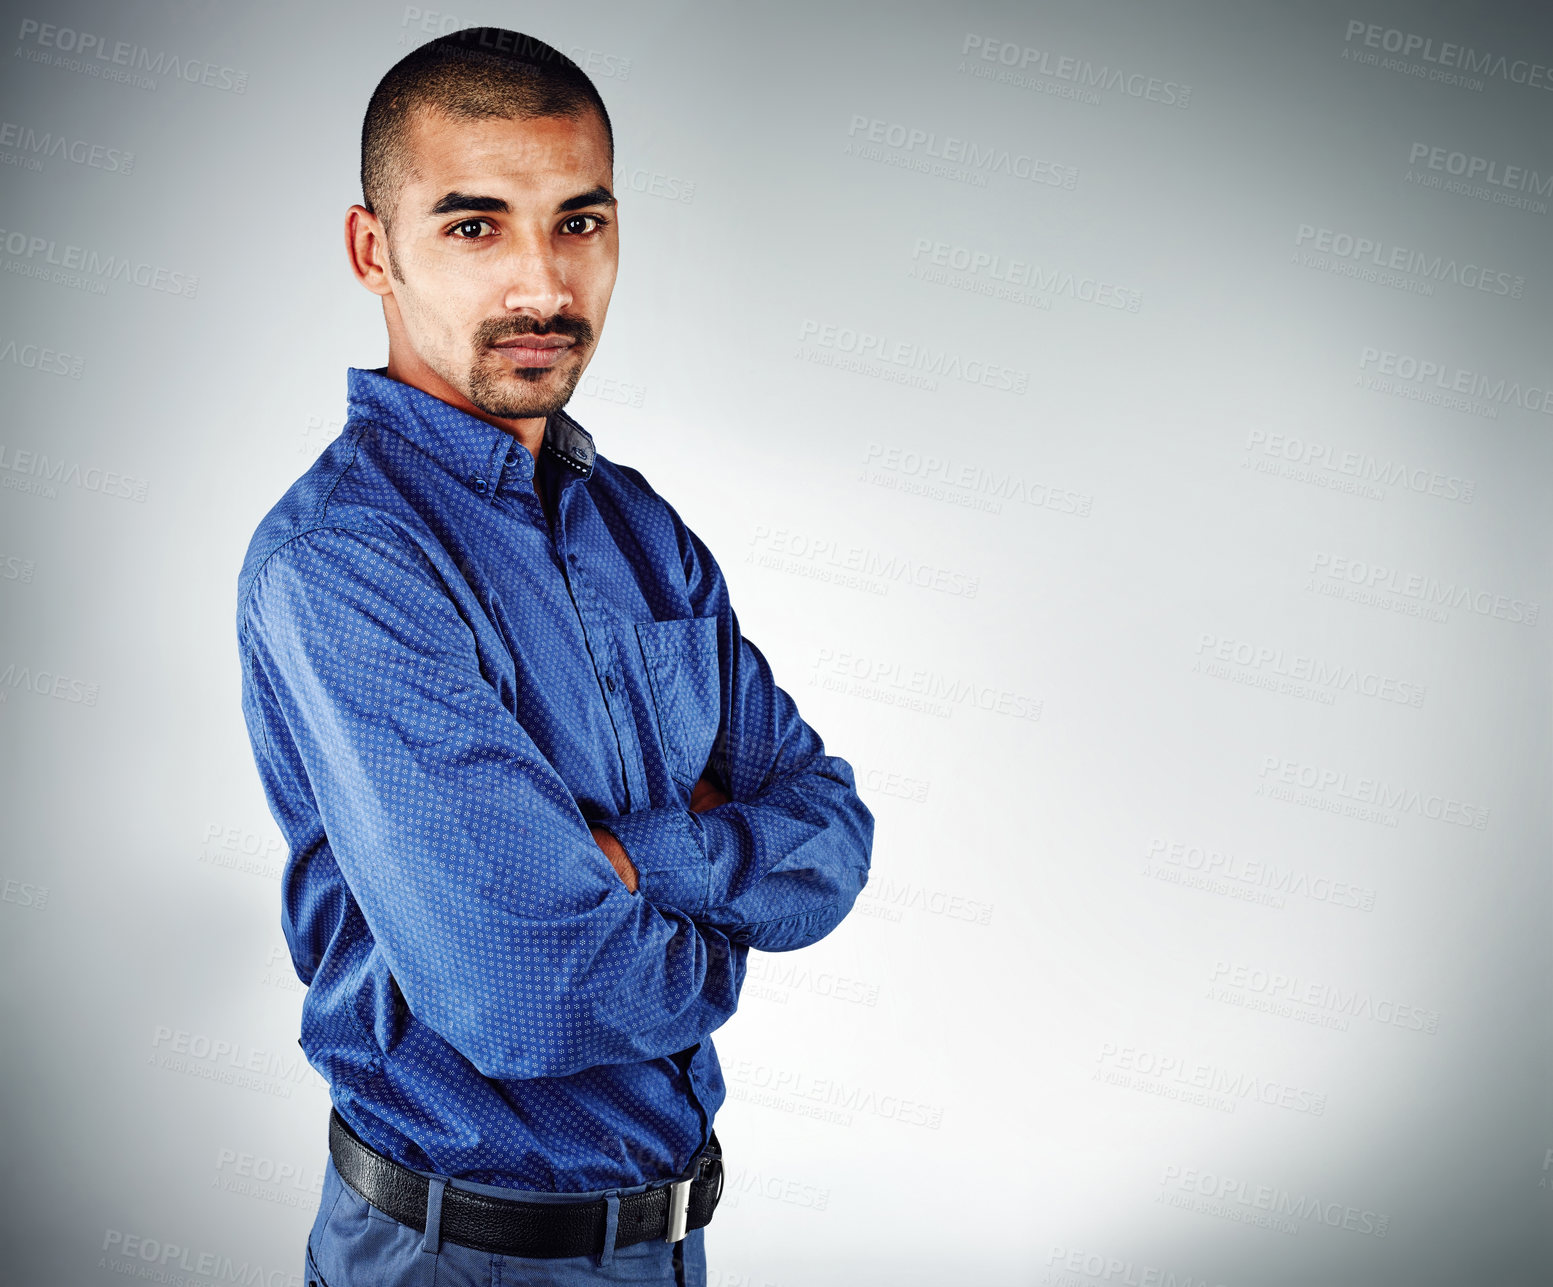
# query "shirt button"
(609, 682)
(480, 485)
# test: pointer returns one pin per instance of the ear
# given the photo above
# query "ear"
(366, 246)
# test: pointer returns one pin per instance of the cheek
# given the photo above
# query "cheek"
(434, 311)
(593, 294)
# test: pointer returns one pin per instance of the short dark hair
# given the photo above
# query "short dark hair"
(474, 74)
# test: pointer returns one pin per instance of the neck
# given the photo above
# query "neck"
(407, 366)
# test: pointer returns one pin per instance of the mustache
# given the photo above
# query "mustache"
(496, 329)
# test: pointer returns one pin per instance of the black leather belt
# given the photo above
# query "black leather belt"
(541, 1229)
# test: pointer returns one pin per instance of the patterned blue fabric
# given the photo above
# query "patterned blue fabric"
(443, 690)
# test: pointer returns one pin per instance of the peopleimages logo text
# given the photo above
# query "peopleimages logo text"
(1402, 259)
(1328, 675)
(1362, 466)
(1277, 1201)
(1080, 71)
(1374, 791)
(122, 54)
(865, 345)
(1020, 273)
(1480, 169)
(1446, 53)
(1414, 585)
(97, 156)
(28, 470)
(1355, 1003)
(36, 256)
(977, 157)
(1445, 379)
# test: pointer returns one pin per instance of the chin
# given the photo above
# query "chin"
(521, 393)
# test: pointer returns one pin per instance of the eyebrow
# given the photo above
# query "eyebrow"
(458, 202)
(599, 196)
(464, 202)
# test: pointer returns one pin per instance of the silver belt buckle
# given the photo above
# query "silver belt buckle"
(679, 1210)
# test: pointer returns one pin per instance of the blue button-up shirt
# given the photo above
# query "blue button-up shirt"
(444, 688)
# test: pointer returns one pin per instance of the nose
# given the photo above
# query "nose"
(536, 280)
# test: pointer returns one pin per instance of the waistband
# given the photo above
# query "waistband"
(545, 1226)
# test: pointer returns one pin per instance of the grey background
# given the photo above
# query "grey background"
(1038, 1051)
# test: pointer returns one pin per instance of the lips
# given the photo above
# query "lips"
(534, 350)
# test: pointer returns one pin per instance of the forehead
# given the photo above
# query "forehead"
(538, 155)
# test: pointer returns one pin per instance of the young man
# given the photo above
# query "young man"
(541, 796)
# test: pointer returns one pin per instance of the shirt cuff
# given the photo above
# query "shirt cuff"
(665, 847)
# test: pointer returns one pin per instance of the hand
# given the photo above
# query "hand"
(615, 852)
(705, 795)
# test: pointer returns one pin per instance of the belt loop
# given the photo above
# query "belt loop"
(611, 1224)
(432, 1242)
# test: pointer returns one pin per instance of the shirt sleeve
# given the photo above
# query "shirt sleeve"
(505, 926)
(781, 864)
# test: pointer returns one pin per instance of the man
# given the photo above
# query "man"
(541, 796)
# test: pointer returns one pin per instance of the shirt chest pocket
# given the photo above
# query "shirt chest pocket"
(682, 673)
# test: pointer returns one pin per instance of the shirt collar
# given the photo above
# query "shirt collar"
(468, 447)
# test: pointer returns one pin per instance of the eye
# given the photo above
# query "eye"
(599, 222)
(461, 231)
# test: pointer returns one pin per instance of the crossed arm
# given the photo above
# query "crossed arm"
(706, 795)
(474, 868)
(775, 844)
